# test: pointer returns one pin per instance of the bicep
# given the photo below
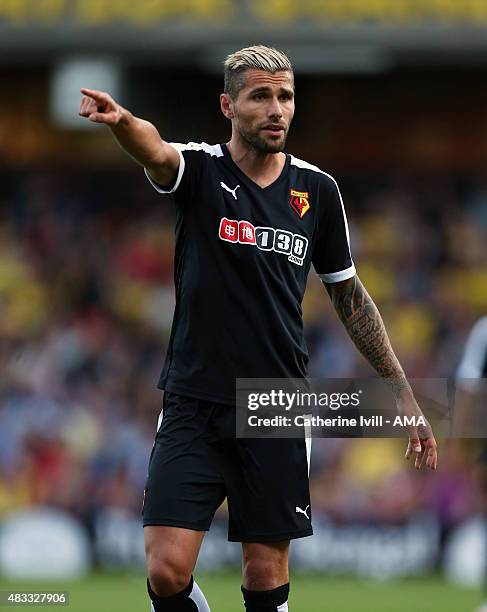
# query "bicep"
(166, 170)
(340, 287)
(350, 299)
(346, 294)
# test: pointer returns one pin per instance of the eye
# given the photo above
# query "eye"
(258, 97)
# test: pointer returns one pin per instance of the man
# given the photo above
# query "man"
(468, 417)
(470, 402)
(250, 221)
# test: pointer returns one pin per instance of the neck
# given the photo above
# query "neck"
(262, 167)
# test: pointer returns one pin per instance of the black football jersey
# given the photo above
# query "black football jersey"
(242, 258)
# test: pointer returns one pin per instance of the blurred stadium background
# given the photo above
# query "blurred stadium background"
(391, 100)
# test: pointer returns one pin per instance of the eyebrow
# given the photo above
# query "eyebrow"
(265, 89)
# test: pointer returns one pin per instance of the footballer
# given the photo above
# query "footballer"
(251, 219)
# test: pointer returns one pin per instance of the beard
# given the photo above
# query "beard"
(261, 144)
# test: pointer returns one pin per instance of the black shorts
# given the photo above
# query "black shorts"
(197, 461)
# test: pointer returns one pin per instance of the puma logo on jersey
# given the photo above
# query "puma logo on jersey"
(305, 511)
(232, 191)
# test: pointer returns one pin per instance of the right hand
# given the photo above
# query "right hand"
(100, 107)
(423, 447)
(421, 439)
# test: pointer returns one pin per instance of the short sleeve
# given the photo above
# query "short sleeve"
(331, 254)
(168, 189)
(193, 160)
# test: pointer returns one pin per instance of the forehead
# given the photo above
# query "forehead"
(261, 78)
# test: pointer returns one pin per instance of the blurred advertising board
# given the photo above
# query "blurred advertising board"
(65, 551)
(403, 25)
(155, 12)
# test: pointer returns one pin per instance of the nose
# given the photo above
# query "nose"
(275, 110)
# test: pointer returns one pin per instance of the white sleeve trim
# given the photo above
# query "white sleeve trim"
(336, 277)
(475, 351)
(300, 163)
(158, 187)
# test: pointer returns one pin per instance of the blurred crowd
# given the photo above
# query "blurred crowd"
(86, 303)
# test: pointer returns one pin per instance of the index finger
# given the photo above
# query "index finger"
(98, 96)
(419, 459)
(432, 459)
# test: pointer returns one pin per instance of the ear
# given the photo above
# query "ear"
(226, 104)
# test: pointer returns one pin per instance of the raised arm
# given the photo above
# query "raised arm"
(139, 138)
(365, 327)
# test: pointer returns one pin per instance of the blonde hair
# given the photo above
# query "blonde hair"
(258, 57)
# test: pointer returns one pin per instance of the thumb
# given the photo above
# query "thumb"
(414, 440)
(97, 118)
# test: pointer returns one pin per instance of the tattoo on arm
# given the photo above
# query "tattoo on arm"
(365, 327)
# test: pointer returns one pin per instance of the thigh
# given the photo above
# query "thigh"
(268, 490)
(184, 484)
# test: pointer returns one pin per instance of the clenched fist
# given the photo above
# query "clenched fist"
(99, 107)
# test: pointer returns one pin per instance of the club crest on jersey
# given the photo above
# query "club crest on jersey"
(300, 202)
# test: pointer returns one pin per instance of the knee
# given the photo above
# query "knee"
(265, 566)
(167, 576)
(264, 575)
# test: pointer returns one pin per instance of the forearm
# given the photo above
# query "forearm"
(137, 137)
(365, 327)
(141, 140)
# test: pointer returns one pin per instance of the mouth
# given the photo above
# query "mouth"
(273, 129)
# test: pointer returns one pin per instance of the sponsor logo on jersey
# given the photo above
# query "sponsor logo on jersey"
(294, 246)
(227, 188)
(300, 202)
